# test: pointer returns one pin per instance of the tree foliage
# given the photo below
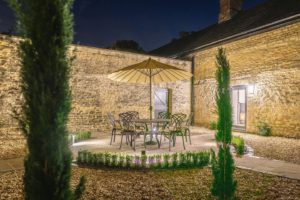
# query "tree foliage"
(127, 45)
(47, 30)
(223, 166)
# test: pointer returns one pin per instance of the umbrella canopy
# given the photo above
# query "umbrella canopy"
(141, 73)
(150, 71)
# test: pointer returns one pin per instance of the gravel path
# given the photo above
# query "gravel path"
(180, 184)
(278, 148)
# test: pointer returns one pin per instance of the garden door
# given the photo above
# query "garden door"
(161, 103)
(239, 103)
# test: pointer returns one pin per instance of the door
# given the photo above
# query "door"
(239, 103)
(160, 101)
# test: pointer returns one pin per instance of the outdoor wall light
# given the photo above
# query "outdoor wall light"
(250, 89)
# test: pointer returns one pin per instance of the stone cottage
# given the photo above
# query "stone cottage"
(263, 47)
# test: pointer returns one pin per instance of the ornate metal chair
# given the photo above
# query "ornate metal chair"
(164, 115)
(134, 114)
(162, 126)
(116, 126)
(175, 129)
(128, 128)
(140, 129)
(186, 127)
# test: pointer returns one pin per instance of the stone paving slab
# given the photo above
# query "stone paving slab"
(275, 167)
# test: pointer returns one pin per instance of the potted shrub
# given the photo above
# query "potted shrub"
(264, 129)
(239, 145)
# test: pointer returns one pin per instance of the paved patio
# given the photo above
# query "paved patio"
(202, 139)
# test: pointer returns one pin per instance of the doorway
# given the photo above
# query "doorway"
(161, 101)
(239, 107)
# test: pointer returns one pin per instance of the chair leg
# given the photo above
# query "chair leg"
(183, 141)
(174, 139)
(145, 135)
(157, 140)
(115, 132)
(121, 140)
(190, 136)
(170, 140)
(112, 135)
(133, 141)
(160, 137)
(186, 139)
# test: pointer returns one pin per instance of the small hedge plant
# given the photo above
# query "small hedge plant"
(82, 136)
(239, 145)
(213, 125)
(79, 136)
(264, 129)
(164, 161)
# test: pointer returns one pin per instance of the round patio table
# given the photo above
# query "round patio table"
(151, 122)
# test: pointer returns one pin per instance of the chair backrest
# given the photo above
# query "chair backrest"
(111, 119)
(134, 114)
(126, 120)
(177, 120)
(164, 115)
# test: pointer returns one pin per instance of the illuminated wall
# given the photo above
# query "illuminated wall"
(268, 63)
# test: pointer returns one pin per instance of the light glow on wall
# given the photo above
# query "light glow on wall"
(251, 89)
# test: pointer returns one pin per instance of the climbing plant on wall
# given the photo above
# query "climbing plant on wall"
(47, 30)
(224, 185)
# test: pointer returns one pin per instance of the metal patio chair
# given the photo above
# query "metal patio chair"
(115, 125)
(186, 127)
(128, 128)
(140, 128)
(174, 129)
(162, 126)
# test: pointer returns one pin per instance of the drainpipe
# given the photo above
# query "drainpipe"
(193, 91)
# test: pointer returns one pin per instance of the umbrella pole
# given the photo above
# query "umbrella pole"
(151, 125)
(150, 95)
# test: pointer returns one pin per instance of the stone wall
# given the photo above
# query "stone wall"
(271, 62)
(93, 94)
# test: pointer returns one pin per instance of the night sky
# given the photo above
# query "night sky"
(152, 23)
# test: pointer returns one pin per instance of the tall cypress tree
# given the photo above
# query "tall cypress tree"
(47, 30)
(224, 185)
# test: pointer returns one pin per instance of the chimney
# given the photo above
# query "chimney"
(229, 8)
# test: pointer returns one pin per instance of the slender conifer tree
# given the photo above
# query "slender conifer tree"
(47, 30)
(223, 166)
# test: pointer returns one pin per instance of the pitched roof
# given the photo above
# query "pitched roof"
(263, 14)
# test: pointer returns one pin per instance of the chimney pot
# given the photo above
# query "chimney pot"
(229, 8)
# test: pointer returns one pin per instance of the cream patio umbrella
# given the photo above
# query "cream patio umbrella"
(148, 72)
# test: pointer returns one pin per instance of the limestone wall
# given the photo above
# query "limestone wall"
(271, 62)
(93, 94)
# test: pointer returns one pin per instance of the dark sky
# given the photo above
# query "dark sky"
(151, 23)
